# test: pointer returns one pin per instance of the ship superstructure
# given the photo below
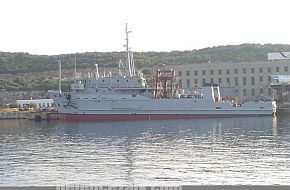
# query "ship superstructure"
(127, 96)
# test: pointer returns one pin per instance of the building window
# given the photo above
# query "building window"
(236, 81)
(228, 71)
(188, 83)
(236, 71)
(253, 80)
(285, 69)
(261, 79)
(220, 80)
(244, 70)
(260, 70)
(253, 92)
(187, 73)
(269, 70)
(269, 78)
(277, 69)
(203, 72)
(180, 83)
(252, 70)
(203, 81)
(219, 71)
(180, 73)
(195, 73)
(228, 82)
(244, 80)
(261, 91)
(236, 92)
(244, 92)
(211, 80)
(211, 72)
(195, 82)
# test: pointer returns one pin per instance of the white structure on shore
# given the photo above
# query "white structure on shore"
(278, 56)
(39, 103)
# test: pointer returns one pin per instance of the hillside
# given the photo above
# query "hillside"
(13, 63)
(14, 66)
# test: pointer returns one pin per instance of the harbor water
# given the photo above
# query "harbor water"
(235, 151)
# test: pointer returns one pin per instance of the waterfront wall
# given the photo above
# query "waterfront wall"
(14, 115)
(30, 115)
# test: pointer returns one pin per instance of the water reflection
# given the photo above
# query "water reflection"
(213, 151)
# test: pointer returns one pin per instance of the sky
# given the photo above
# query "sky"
(51, 27)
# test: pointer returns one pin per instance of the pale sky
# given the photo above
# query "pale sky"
(70, 26)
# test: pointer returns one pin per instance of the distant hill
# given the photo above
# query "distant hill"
(13, 63)
(17, 68)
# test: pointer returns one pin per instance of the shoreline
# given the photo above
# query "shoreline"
(37, 115)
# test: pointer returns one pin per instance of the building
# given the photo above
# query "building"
(278, 56)
(242, 81)
(38, 103)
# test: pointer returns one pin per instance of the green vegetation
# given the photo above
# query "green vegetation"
(13, 63)
(41, 84)
(16, 63)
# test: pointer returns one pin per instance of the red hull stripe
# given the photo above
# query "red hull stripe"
(123, 117)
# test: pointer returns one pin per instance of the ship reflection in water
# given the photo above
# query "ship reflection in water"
(214, 151)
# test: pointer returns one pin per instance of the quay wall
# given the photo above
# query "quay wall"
(29, 115)
(14, 115)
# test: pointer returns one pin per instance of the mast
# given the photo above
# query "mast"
(59, 80)
(75, 65)
(97, 66)
(97, 71)
(130, 68)
(120, 68)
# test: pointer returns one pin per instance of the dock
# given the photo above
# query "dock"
(31, 115)
(14, 115)
(41, 115)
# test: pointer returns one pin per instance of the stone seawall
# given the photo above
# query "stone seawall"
(14, 115)
(30, 115)
(38, 116)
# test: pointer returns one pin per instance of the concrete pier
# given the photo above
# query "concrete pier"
(14, 115)
(37, 116)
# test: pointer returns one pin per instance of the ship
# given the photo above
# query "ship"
(127, 95)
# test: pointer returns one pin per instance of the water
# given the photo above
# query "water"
(182, 152)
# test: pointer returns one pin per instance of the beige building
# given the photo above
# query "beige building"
(243, 81)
